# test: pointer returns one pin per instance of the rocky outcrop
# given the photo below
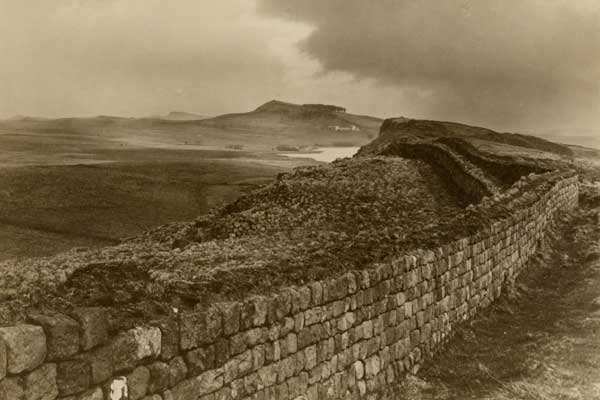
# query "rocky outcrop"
(403, 128)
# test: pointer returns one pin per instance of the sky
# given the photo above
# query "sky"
(510, 65)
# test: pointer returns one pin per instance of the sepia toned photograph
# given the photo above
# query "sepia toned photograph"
(299, 200)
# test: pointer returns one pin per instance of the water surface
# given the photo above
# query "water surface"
(326, 154)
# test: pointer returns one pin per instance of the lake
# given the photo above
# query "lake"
(326, 154)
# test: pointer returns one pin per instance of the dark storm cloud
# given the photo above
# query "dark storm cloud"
(510, 64)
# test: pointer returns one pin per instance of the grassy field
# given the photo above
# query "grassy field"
(74, 182)
(46, 209)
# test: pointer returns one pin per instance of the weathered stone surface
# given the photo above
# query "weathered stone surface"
(222, 353)
(72, 377)
(200, 360)
(178, 370)
(268, 375)
(101, 364)
(11, 389)
(153, 397)
(372, 366)
(199, 328)
(3, 360)
(148, 341)
(279, 306)
(160, 377)
(210, 381)
(253, 312)
(193, 388)
(130, 347)
(310, 357)
(93, 324)
(92, 394)
(25, 347)
(62, 335)
(137, 383)
(169, 346)
(359, 370)
(123, 350)
(231, 314)
(40, 384)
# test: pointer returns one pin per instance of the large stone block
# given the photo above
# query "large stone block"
(25, 347)
(169, 346)
(148, 341)
(91, 394)
(72, 377)
(40, 384)
(2, 359)
(101, 364)
(193, 388)
(268, 375)
(279, 306)
(200, 360)
(123, 350)
(153, 397)
(222, 352)
(316, 293)
(62, 335)
(130, 347)
(93, 322)
(231, 315)
(372, 366)
(310, 357)
(137, 383)
(178, 371)
(11, 389)
(160, 377)
(199, 328)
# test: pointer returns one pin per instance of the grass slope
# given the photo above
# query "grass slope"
(48, 209)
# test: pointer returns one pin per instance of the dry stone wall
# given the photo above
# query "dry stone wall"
(351, 337)
(468, 178)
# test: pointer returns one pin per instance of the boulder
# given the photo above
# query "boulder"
(93, 322)
(137, 383)
(2, 359)
(25, 347)
(11, 389)
(40, 384)
(62, 335)
(73, 377)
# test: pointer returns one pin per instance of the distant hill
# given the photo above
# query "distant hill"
(272, 124)
(307, 124)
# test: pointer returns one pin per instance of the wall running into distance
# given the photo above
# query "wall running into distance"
(351, 337)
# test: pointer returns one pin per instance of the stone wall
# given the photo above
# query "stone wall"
(505, 169)
(469, 179)
(349, 337)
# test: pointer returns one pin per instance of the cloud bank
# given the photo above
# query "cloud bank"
(510, 64)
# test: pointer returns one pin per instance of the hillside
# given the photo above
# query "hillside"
(270, 125)
(303, 125)
(403, 128)
(314, 222)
